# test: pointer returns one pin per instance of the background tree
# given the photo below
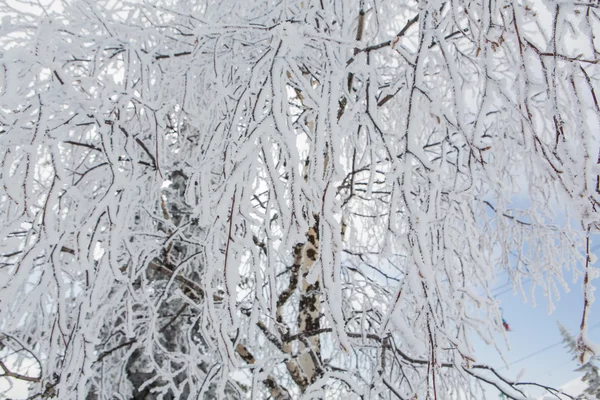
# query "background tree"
(591, 372)
(293, 198)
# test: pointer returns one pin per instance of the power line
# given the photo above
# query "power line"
(526, 280)
(535, 353)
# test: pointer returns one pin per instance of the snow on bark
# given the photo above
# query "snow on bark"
(227, 199)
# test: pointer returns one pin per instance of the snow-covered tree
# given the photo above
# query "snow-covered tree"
(589, 368)
(286, 198)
